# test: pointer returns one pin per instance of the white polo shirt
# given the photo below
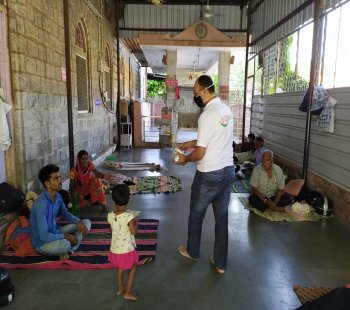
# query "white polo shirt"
(215, 133)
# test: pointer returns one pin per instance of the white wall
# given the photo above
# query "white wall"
(278, 120)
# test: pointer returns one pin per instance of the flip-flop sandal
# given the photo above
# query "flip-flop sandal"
(219, 270)
(183, 252)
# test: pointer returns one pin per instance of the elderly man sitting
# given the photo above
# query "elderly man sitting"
(267, 183)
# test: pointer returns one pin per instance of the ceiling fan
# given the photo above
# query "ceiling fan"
(206, 11)
(157, 1)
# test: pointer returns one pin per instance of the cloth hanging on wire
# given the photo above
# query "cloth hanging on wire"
(320, 98)
(322, 106)
(325, 121)
(5, 140)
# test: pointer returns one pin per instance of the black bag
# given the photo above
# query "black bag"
(11, 199)
(321, 204)
(7, 290)
(306, 195)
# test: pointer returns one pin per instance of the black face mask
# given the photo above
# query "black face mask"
(199, 101)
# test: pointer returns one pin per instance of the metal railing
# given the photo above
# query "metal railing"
(150, 128)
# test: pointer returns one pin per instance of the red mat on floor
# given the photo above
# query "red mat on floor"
(93, 251)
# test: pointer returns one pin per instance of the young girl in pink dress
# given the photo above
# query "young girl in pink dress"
(123, 254)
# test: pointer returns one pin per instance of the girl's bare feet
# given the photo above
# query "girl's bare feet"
(120, 290)
(130, 296)
(64, 256)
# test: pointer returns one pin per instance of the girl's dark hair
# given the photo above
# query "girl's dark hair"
(206, 81)
(82, 153)
(121, 194)
(46, 171)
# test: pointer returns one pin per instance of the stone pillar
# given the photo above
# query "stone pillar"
(224, 75)
(169, 116)
(171, 63)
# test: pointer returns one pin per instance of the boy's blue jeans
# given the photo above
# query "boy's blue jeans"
(63, 246)
(210, 187)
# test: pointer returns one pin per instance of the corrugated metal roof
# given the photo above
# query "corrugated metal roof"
(172, 19)
(134, 47)
(132, 44)
(212, 2)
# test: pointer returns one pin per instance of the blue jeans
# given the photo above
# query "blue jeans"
(63, 246)
(210, 187)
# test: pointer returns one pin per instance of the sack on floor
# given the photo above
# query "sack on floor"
(11, 199)
(18, 237)
(7, 290)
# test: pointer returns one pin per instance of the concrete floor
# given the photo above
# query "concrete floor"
(265, 260)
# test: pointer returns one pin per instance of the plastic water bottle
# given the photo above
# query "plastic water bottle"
(176, 152)
(75, 203)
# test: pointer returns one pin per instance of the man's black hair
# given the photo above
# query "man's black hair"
(251, 135)
(46, 171)
(259, 139)
(121, 194)
(205, 81)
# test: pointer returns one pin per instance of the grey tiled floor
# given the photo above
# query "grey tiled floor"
(265, 260)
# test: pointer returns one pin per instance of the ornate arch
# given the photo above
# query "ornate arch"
(80, 38)
(107, 56)
(108, 81)
(122, 75)
(82, 67)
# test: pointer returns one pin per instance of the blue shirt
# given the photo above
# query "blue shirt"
(43, 219)
(258, 154)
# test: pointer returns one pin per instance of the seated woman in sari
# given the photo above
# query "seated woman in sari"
(85, 179)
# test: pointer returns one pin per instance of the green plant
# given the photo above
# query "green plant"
(287, 79)
(156, 89)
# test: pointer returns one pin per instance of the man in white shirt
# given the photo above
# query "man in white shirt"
(215, 172)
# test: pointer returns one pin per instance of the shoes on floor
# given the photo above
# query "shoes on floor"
(219, 270)
(183, 252)
(128, 183)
